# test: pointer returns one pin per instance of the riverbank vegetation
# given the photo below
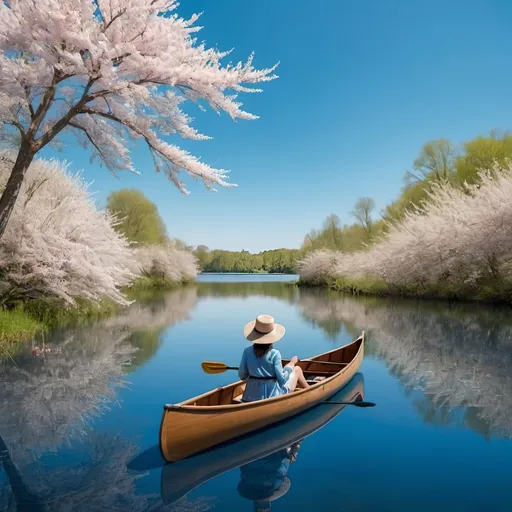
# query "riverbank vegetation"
(277, 261)
(54, 243)
(63, 260)
(448, 235)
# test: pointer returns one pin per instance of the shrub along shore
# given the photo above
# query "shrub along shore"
(63, 261)
(448, 236)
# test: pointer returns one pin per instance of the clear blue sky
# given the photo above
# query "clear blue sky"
(362, 85)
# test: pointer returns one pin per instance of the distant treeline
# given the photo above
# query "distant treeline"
(277, 261)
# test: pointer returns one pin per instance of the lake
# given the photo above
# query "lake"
(80, 410)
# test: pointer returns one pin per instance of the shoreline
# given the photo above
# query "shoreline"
(36, 317)
(377, 288)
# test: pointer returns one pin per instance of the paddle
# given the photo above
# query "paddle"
(357, 403)
(213, 367)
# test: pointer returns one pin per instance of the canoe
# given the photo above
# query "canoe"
(180, 478)
(219, 415)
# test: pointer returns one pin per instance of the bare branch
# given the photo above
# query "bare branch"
(19, 126)
(118, 15)
(91, 140)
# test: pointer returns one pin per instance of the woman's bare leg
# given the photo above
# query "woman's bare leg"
(303, 383)
(297, 377)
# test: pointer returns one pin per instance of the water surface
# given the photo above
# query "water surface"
(79, 417)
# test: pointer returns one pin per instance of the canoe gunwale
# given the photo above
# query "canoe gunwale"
(184, 407)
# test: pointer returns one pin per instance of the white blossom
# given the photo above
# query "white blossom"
(58, 243)
(165, 262)
(459, 236)
(110, 70)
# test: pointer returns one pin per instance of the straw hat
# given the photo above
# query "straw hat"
(263, 496)
(263, 330)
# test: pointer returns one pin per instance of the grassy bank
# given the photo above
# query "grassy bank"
(495, 291)
(17, 325)
(26, 319)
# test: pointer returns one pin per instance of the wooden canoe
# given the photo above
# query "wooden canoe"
(218, 416)
(182, 477)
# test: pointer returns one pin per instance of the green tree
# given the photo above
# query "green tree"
(434, 162)
(480, 154)
(362, 212)
(139, 218)
(202, 253)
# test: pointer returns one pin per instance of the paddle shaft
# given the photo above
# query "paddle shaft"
(215, 367)
(300, 361)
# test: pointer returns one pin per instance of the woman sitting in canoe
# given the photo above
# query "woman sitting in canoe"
(261, 363)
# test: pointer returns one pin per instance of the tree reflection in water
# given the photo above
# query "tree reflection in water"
(48, 399)
(100, 482)
(459, 356)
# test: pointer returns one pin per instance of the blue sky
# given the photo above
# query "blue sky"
(362, 85)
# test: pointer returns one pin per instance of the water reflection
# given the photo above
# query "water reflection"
(264, 480)
(263, 457)
(287, 291)
(459, 356)
(99, 481)
(48, 399)
(49, 396)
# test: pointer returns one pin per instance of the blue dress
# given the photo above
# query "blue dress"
(269, 365)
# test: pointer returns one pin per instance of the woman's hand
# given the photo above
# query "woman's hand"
(294, 360)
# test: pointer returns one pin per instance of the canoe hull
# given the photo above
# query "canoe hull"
(181, 478)
(188, 429)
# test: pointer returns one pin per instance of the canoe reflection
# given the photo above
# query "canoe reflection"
(263, 457)
(265, 480)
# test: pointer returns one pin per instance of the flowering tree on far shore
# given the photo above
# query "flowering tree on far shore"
(108, 71)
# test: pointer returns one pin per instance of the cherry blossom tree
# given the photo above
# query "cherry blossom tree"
(108, 71)
(58, 244)
(167, 263)
(460, 238)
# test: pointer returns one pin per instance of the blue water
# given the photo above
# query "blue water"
(80, 421)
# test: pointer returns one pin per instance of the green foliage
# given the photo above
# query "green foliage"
(412, 197)
(438, 161)
(139, 218)
(346, 238)
(435, 162)
(150, 284)
(331, 236)
(17, 325)
(363, 286)
(276, 261)
(479, 154)
(51, 312)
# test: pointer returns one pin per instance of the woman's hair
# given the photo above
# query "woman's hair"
(260, 349)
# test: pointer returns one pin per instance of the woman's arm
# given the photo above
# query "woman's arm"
(282, 374)
(243, 371)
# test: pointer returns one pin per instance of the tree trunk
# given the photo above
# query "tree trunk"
(12, 189)
(26, 500)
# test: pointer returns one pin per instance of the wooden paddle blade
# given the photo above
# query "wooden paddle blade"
(213, 367)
